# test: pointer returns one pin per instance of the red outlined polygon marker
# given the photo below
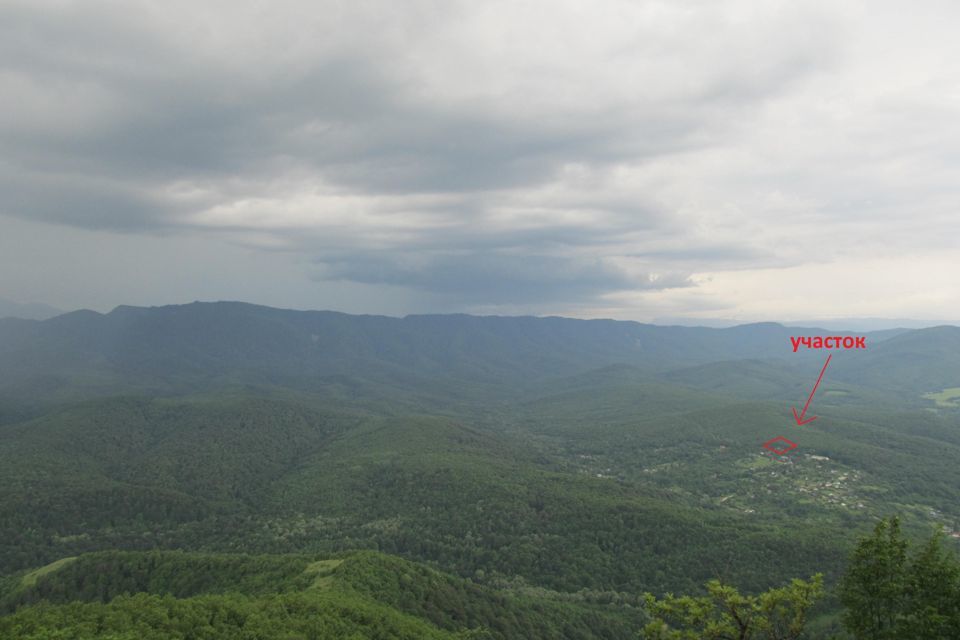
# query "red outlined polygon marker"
(785, 447)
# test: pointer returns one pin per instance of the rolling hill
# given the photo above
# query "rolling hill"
(365, 594)
(529, 461)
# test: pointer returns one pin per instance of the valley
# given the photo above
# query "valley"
(526, 463)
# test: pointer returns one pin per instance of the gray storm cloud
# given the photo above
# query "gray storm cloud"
(493, 153)
(478, 278)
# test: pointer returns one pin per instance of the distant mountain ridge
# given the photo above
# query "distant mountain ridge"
(206, 345)
(27, 311)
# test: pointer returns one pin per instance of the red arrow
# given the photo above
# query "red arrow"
(799, 418)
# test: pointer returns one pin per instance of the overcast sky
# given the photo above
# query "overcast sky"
(744, 160)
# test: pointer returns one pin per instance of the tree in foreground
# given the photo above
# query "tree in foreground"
(726, 614)
(888, 596)
(873, 589)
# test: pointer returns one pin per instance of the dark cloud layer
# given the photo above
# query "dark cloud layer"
(507, 153)
(476, 278)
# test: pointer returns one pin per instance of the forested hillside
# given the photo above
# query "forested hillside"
(176, 349)
(226, 596)
(537, 476)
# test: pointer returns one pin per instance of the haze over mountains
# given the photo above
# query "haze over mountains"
(177, 348)
(251, 332)
(29, 311)
(843, 324)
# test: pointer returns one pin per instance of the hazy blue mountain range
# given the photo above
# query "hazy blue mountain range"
(28, 311)
(180, 347)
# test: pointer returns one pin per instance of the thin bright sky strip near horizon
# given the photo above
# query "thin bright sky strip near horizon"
(706, 159)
